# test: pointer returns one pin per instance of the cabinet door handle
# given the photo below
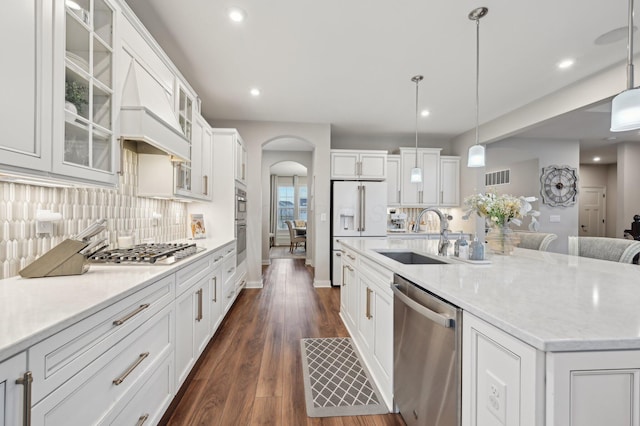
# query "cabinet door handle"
(206, 184)
(142, 419)
(131, 315)
(121, 140)
(399, 198)
(199, 317)
(26, 380)
(368, 313)
(344, 283)
(120, 379)
(441, 197)
(215, 289)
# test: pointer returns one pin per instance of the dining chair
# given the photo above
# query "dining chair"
(613, 249)
(535, 240)
(294, 238)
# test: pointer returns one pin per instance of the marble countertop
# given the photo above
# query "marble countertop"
(36, 308)
(551, 301)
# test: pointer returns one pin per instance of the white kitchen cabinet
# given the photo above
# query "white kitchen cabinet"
(366, 308)
(394, 176)
(193, 323)
(11, 393)
(185, 112)
(593, 388)
(217, 292)
(240, 161)
(361, 165)
(228, 272)
(349, 291)
(220, 214)
(449, 181)
(84, 142)
(90, 396)
(426, 193)
(502, 378)
(27, 93)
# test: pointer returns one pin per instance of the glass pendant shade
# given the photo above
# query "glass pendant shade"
(476, 156)
(416, 175)
(625, 111)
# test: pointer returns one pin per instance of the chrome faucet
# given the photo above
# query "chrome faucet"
(443, 245)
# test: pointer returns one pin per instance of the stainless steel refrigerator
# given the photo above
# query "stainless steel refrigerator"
(358, 209)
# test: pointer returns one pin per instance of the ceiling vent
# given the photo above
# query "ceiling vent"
(146, 114)
(501, 177)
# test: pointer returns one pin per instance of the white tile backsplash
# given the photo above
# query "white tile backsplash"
(20, 245)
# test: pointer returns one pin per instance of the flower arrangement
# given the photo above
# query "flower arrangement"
(500, 210)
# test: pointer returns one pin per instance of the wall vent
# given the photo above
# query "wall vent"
(501, 177)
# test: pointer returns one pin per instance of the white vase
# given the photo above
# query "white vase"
(70, 111)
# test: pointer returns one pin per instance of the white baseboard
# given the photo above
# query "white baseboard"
(254, 284)
(322, 283)
(266, 262)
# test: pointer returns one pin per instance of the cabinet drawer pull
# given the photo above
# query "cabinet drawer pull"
(230, 270)
(199, 317)
(142, 419)
(130, 369)
(368, 313)
(26, 380)
(349, 268)
(351, 257)
(131, 315)
(218, 258)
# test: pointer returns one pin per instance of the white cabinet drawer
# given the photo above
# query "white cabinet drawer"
(192, 273)
(228, 269)
(149, 403)
(91, 394)
(58, 358)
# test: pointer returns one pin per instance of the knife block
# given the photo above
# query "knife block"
(63, 259)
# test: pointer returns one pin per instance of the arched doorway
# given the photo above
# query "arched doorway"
(287, 162)
(288, 199)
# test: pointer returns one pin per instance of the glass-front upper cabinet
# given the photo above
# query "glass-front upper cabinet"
(88, 151)
(185, 117)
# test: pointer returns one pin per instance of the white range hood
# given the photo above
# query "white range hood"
(146, 114)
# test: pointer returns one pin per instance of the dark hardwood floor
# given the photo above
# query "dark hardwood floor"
(251, 372)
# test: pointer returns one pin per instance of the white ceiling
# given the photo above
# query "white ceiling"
(288, 168)
(349, 63)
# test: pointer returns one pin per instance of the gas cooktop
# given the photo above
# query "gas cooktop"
(155, 253)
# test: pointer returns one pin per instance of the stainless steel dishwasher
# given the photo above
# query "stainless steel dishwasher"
(427, 356)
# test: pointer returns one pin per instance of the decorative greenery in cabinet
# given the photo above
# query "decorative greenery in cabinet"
(88, 150)
(185, 118)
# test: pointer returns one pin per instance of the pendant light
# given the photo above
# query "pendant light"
(625, 108)
(416, 172)
(476, 151)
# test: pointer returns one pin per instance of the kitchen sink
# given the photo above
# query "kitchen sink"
(411, 258)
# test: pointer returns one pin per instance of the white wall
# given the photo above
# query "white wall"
(255, 134)
(628, 182)
(611, 224)
(547, 152)
(270, 158)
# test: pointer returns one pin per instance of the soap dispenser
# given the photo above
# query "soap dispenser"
(463, 248)
(476, 249)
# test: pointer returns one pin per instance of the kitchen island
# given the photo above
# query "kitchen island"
(560, 334)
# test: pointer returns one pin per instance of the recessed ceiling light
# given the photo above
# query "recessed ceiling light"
(596, 159)
(255, 92)
(566, 63)
(237, 15)
(425, 113)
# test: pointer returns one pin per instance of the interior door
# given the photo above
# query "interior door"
(592, 211)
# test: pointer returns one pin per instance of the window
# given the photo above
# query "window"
(292, 199)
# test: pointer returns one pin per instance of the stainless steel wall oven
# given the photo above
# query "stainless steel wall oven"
(241, 225)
